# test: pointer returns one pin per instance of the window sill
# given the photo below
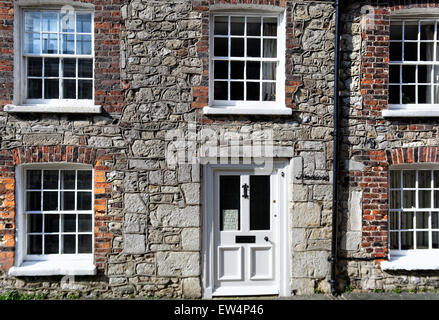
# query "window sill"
(52, 109)
(412, 262)
(50, 268)
(246, 110)
(411, 113)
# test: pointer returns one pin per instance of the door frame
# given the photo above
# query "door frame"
(208, 235)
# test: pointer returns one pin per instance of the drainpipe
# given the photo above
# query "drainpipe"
(333, 257)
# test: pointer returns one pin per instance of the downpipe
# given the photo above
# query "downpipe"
(333, 257)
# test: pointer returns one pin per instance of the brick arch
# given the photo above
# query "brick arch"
(412, 155)
(99, 159)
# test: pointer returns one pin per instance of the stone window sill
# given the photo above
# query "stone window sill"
(225, 110)
(411, 113)
(76, 109)
(50, 268)
(412, 262)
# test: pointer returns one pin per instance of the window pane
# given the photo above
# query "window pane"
(424, 199)
(83, 22)
(268, 91)
(67, 21)
(69, 223)
(394, 94)
(269, 70)
(395, 30)
(395, 179)
(395, 51)
(424, 178)
(406, 220)
(83, 44)
(33, 201)
(237, 26)
(410, 51)
(237, 69)
(427, 30)
(51, 244)
(409, 74)
(51, 89)
(409, 178)
(254, 48)
(406, 240)
(411, 30)
(409, 200)
(426, 51)
(253, 26)
(221, 47)
(33, 179)
(34, 67)
(230, 203)
(394, 74)
(422, 240)
(422, 220)
(34, 244)
(408, 94)
(237, 47)
(436, 178)
(434, 220)
(220, 25)
(68, 43)
(32, 43)
(394, 240)
(85, 68)
(253, 70)
(50, 200)
(50, 21)
(85, 89)
(50, 179)
(51, 67)
(221, 69)
(236, 90)
(260, 203)
(69, 89)
(83, 201)
(270, 48)
(84, 179)
(34, 223)
(424, 74)
(69, 68)
(220, 90)
(32, 22)
(435, 239)
(424, 94)
(84, 243)
(50, 43)
(85, 223)
(395, 199)
(394, 221)
(67, 200)
(253, 91)
(270, 27)
(68, 179)
(51, 223)
(69, 243)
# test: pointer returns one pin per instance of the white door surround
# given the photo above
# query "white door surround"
(243, 253)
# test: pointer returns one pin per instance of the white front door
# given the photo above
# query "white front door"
(245, 215)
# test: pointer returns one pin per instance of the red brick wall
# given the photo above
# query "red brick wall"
(108, 91)
(55, 154)
(201, 93)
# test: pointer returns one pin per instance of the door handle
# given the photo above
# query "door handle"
(266, 238)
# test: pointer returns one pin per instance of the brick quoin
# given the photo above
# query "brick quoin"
(98, 158)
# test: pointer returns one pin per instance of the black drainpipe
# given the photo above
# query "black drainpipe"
(333, 257)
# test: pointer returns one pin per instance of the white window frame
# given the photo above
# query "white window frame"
(20, 102)
(50, 264)
(276, 107)
(413, 110)
(412, 259)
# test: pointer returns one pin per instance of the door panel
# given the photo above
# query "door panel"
(246, 232)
